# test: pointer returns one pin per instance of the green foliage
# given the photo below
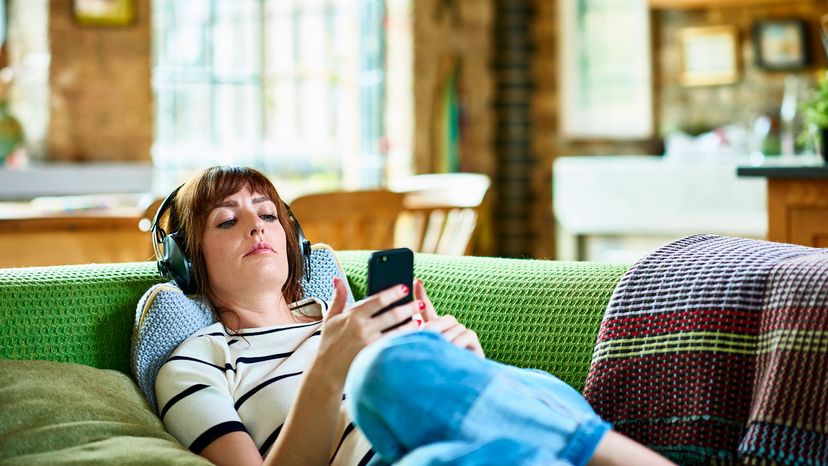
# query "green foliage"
(815, 110)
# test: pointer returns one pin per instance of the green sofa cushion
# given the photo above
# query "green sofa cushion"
(61, 413)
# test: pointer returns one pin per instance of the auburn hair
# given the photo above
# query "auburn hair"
(197, 198)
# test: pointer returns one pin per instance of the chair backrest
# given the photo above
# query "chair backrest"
(349, 219)
(441, 211)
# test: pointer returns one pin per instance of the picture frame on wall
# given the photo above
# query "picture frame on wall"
(781, 44)
(709, 56)
(112, 13)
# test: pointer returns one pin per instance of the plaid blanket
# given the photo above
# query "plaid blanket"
(713, 350)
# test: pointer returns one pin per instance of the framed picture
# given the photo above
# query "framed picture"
(709, 55)
(781, 44)
(104, 12)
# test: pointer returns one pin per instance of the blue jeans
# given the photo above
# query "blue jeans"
(422, 401)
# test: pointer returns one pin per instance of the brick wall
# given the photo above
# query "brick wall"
(513, 135)
(101, 105)
(758, 90)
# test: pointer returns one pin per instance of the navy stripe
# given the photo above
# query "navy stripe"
(270, 440)
(213, 433)
(227, 367)
(231, 342)
(348, 429)
(189, 391)
(262, 385)
(256, 359)
(316, 333)
(365, 459)
(274, 330)
(214, 334)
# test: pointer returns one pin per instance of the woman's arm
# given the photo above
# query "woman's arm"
(309, 432)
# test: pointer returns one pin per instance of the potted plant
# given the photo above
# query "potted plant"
(815, 113)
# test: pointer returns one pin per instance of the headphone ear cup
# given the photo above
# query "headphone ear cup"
(175, 263)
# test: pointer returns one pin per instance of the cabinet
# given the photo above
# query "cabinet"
(798, 211)
(797, 202)
(686, 4)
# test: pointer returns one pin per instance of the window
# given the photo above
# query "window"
(287, 86)
(606, 80)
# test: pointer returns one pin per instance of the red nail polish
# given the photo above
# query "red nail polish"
(404, 289)
(421, 305)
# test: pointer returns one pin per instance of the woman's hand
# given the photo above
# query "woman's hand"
(347, 330)
(447, 325)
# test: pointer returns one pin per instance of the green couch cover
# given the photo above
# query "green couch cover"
(530, 313)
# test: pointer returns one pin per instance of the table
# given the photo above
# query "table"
(29, 237)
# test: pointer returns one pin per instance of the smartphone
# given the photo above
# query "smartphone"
(389, 268)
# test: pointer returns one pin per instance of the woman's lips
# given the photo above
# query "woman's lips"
(260, 248)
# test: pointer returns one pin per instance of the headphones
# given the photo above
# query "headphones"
(172, 256)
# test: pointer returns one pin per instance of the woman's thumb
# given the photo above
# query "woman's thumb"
(339, 298)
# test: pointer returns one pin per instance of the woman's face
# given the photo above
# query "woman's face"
(244, 246)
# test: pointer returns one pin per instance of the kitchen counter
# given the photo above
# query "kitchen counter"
(797, 202)
(619, 208)
(810, 168)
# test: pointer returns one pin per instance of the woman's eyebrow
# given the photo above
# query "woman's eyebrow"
(231, 203)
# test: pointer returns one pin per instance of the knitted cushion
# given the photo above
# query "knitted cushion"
(165, 317)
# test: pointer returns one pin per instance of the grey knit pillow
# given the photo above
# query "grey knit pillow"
(165, 317)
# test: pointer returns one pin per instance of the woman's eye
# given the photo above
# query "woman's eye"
(268, 217)
(227, 223)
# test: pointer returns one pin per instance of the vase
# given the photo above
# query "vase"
(11, 132)
(822, 144)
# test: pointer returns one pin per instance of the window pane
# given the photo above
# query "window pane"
(281, 110)
(312, 50)
(236, 39)
(281, 47)
(191, 113)
(237, 115)
(183, 33)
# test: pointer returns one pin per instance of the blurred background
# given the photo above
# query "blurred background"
(589, 129)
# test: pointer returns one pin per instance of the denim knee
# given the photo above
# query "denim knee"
(397, 391)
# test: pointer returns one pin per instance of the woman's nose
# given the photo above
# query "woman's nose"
(257, 226)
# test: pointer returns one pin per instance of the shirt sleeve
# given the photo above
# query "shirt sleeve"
(194, 399)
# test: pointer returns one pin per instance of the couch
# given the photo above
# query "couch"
(66, 391)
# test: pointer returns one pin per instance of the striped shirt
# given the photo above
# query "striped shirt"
(216, 383)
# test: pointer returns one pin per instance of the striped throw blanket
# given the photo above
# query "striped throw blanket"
(714, 350)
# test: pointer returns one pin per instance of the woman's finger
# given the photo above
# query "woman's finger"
(340, 296)
(441, 324)
(452, 333)
(469, 341)
(395, 316)
(373, 304)
(429, 313)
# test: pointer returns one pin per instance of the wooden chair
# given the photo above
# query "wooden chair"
(349, 219)
(441, 211)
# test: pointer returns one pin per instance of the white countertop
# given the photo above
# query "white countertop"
(651, 195)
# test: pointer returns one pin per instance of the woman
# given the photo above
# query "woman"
(266, 383)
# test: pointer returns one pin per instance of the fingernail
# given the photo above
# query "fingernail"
(404, 289)
(421, 305)
(336, 280)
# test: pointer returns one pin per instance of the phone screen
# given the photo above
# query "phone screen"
(389, 268)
